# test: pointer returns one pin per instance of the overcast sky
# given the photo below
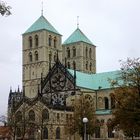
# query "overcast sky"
(112, 25)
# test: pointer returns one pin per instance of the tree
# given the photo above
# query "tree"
(127, 96)
(4, 9)
(83, 107)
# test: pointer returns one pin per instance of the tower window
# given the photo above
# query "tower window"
(30, 57)
(55, 42)
(74, 65)
(36, 40)
(90, 66)
(68, 65)
(31, 115)
(55, 57)
(50, 40)
(36, 56)
(45, 114)
(68, 53)
(74, 51)
(87, 65)
(30, 42)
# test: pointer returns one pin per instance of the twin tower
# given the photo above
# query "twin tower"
(42, 44)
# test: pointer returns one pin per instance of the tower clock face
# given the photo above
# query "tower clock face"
(58, 82)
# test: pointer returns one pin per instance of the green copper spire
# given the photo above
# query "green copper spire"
(41, 24)
(77, 36)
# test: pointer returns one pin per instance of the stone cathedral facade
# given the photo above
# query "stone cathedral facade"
(53, 73)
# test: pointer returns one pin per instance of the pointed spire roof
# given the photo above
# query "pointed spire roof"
(77, 36)
(41, 24)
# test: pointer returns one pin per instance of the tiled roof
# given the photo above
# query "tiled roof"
(77, 36)
(41, 24)
(95, 81)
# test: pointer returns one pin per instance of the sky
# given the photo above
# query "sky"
(112, 25)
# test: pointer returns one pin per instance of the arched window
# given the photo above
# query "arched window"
(97, 132)
(50, 40)
(55, 42)
(68, 53)
(90, 67)
(45, 133)
(86, 52)
(87, 65)
(74, 65)
(50, 56)
(36, 56)
(90, 52)
(58, 133)
(110, 129)
(112, 102)
(36, 40)
(68, 65)
(30, 42)
(106, 103)
(18, 132)
(18, 116)
(31, 115)
(30, 57)
(74, 51)
(55, 57)
(45, 114)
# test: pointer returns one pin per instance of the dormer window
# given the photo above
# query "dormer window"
(50, 40)
(30, 42)
(36, 40)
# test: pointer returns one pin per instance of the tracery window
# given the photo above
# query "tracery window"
(45, 114)
(106, 103)
(45, 133)
(50, 40)
(18, 116)
(36, 40)
(31, 115)
(36, 56)
(58, 133)
(30, 57)
(74, 51)
(55, 42)
(30, 41)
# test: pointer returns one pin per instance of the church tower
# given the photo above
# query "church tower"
(40, 45)
(80, 52)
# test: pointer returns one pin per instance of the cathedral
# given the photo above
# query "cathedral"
(53, 74)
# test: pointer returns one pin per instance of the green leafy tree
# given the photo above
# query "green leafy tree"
(83, 107)
(127, 97)
(4, 9)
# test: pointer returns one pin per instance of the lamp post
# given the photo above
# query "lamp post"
(85, 120)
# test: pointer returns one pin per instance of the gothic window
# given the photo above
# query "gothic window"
(45, 114)
(58, 133)
(68, 53)
(97, 132)
(55, 42)
(30, 42)
(87, 65)
(58, 116)
(36, 56)
(68, 65)
(74, 51)
(90, 52)
(50, 40)
(106, 103)
(90, 66)
(30, 57)
(18, 116)
(50, 56)
(86, 52)
(18, 132)
(31, 115)
(45, 133)
(36, 40)
(74, 65)
(55, 57)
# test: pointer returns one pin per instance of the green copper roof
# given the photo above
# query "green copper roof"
(41, 24)
(95, 81)
(77, 36)
(103, 112)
